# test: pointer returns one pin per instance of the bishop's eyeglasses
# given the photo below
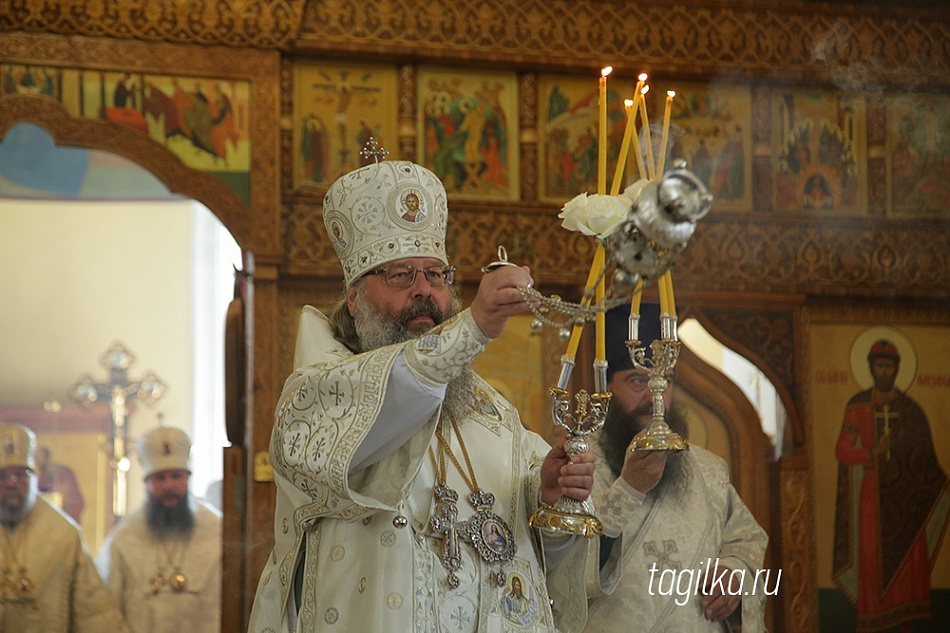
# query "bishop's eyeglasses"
(403, 276)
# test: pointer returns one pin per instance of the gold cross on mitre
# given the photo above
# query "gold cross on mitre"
(373, 150)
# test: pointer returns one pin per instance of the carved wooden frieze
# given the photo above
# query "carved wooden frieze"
(832, 256)
(832, 44)
(728, 253)
(244, 23)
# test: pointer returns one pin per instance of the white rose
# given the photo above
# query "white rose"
(632, 193)
(596, 215)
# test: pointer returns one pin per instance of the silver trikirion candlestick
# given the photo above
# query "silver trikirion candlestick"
(567, 514)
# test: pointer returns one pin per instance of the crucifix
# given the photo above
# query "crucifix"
(886, 415)
(119, 389)
(446, 525)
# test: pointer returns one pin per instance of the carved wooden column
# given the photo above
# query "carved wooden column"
(407, 112)
(286, 125)
(528, 122)
(877, 156)
(796, 605)
(761, 149)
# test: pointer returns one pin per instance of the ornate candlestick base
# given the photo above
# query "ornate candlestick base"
(575, 520)
(660, 438)
(570, 515)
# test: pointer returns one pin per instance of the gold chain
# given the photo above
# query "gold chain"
(171, 555)
(12, 547)
(445, 448)
(11, 587)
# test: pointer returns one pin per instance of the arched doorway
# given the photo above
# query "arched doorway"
(227, 207)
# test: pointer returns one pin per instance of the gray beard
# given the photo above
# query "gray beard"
(375, 331)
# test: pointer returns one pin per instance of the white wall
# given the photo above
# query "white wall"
(77, 276)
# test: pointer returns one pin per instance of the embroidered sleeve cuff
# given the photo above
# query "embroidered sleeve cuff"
(635, 495)
(440, 354)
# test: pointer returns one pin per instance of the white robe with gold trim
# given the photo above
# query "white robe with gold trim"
(70, 597)
(361, 541)
(681, 535)
(130, 558)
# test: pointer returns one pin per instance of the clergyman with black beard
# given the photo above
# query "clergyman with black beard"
(393, 458)
(163, 561)
(665, 513)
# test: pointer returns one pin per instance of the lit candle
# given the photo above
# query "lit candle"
(645, 125)
(636, 143)
(665, 138)
(641, 79)
(602, 141)
(595, 270)
(624, 147)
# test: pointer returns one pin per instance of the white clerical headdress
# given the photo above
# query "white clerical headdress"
(17, 446)
(383, 212)
(163, 448)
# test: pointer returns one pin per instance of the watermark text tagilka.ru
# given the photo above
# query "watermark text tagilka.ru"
(711, 579)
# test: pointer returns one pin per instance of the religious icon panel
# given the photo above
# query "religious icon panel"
(918, 153)
(468, 131)
(879, 417)
(819, 141)
(337, 109)
(711, 129)
(568, 133)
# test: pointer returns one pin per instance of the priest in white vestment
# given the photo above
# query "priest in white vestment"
(48, 583)
(163, 561)
(404, 481)
(679, 548)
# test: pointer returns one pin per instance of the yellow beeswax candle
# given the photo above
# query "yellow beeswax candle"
(645, 126)
(624, 147)
(600, 335)
(595, 270)
(637, 297)
(602, 129)
(665, 137)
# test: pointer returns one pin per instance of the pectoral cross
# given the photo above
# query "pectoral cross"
(885, 415)
(446, 526)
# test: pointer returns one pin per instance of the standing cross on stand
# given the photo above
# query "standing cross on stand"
(119, 390)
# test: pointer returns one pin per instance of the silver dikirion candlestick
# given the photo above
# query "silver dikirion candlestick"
(665, 352)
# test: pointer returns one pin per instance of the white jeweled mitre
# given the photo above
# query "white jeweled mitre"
(383, 212)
